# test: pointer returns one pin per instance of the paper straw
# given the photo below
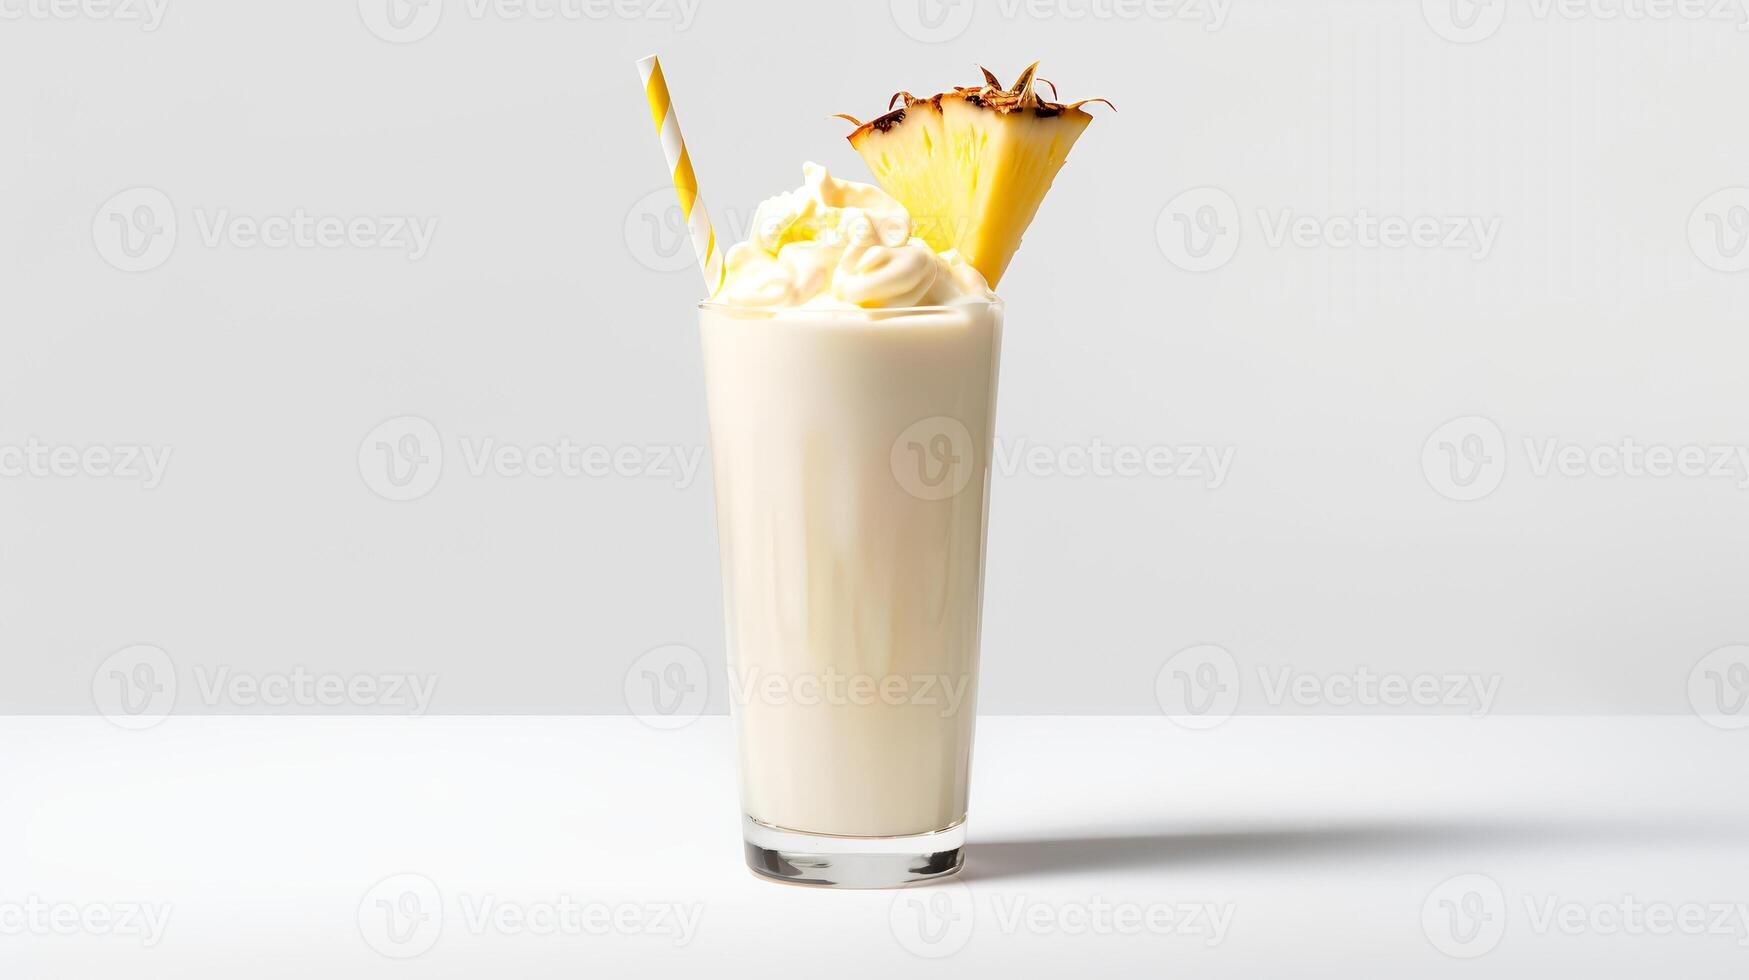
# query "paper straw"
(698, 222)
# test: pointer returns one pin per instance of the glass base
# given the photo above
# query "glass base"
(852, 862)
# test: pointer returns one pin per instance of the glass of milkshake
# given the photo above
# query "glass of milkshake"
(850, 356)
(851, 378)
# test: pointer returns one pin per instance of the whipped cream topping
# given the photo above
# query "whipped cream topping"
(837, 243)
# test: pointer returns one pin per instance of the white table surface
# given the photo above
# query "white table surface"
(1319, 842)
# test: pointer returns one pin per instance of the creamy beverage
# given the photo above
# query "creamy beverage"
(851, 448)
(851, 456)
(850, 357)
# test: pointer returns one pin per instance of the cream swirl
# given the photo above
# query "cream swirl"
(838, 243)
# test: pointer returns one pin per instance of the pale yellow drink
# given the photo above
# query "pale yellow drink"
(851, 379)
(851, 454)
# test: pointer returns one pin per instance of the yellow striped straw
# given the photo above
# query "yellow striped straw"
(698, 223)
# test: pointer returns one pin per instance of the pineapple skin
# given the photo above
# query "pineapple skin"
(972, 176)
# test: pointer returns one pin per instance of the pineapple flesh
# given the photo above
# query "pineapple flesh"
(972, 165)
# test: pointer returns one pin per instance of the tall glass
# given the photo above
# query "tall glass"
(852, 460)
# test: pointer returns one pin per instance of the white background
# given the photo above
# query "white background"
(555, 302)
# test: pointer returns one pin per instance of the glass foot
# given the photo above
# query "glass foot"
(852, 862)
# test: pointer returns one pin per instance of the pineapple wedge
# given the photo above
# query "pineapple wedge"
(972, 164)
